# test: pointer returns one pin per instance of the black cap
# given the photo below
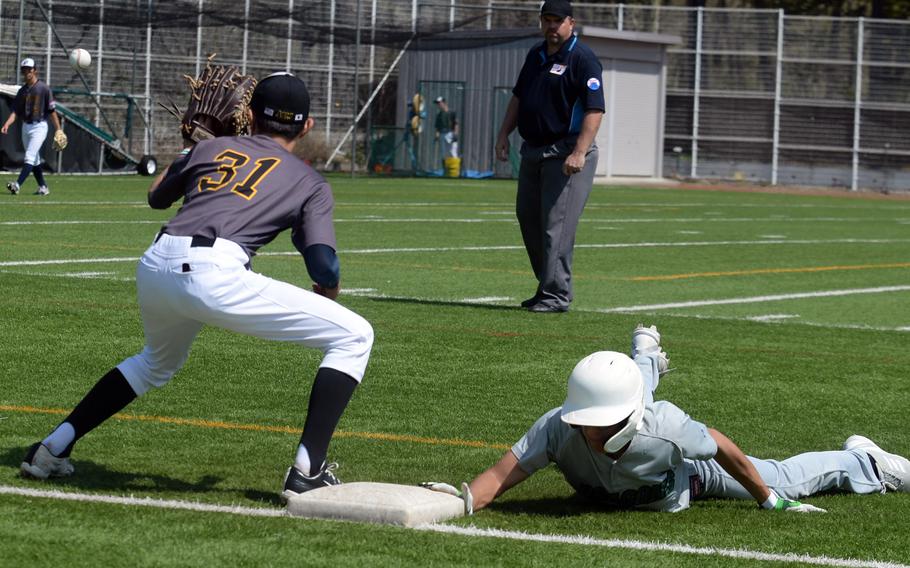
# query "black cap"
(561, 8)
(281, 97)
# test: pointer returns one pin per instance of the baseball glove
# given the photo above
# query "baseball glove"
(219, 99)
(60, 140)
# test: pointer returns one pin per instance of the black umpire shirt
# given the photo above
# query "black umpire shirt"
(555, 91)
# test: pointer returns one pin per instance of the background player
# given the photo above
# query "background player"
(239, 193)
(619, 448)
(34, 104)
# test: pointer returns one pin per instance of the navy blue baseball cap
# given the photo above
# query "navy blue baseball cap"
(281, 97)
(559, 8)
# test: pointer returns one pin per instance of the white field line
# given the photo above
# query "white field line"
(480, 204)
(756, 299)
(143, 502)
(502, 247)
(461, 531)
(660, 547)
(379, 219)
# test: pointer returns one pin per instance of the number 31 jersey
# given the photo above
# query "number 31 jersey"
(247, 190)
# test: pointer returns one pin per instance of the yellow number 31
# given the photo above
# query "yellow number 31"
(229, 162)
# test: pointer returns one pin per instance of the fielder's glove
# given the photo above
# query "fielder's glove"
(464, 494)
(60, 140)
(219, 100)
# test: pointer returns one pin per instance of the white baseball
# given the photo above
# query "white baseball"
(80, 58)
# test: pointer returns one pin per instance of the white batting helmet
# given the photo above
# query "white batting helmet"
(604, 389)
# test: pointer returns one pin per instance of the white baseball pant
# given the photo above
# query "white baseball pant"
(181, 288)
(33, 136)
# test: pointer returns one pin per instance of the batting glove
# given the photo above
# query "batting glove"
(779, 504)
(464, 494)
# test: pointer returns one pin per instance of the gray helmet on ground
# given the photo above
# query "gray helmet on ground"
(604, 389)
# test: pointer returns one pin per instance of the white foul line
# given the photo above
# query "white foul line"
(756, 299)
(660, 547)
(462, 531)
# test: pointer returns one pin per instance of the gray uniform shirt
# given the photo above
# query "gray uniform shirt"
(651, 474)
(35, 103)
(247, 190)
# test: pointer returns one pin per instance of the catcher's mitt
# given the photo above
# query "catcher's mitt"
(60, 140)
(219, 99)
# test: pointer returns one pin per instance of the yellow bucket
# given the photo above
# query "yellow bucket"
(452, 167)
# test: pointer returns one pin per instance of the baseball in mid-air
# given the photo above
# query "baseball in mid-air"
(80, 58)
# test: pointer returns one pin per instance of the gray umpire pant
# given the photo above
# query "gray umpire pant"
(548, 206)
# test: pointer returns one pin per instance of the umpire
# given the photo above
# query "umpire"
(557, 105)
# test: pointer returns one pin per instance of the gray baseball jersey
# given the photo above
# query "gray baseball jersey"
(35, 103)
(651, 474)
(247, 190)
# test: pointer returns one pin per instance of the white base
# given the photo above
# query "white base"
(386, 503)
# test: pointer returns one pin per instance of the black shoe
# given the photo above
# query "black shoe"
(295, 482)
(547, 309)
(530, 302)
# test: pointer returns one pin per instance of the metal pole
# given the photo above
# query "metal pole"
(147, 145)
(694, 169)
(857, 104)
(451, 15)
(328, 97)
(356, 88)
(620, 14)
(287, 62)
(775, 145)
(98, 66)
(199, 39)
(246, 34)
(489, 14)
(47, 62)
(369, 126)
(19, 42)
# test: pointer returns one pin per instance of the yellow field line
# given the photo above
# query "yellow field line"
(200, 423)
(771, 271)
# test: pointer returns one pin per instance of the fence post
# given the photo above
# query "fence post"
(693, 173)
(328, 91)
(47, 65)
(620, 14)
(857, 103)
(287, 61)
(199, 39)
(98, 65)
(246, 34)
(775, 147)
(147, 143)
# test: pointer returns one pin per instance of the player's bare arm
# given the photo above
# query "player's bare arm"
(495, 481)
(575, 162)
(509, 122)
(735, 462)
(8, 123)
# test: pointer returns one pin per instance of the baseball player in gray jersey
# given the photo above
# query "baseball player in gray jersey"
(238, 194)
(618, 447)
(34, 104)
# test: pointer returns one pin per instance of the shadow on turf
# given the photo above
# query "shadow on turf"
(90, 475)
(569, 506)
(449, 303)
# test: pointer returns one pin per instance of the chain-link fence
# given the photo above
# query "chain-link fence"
(752, 95)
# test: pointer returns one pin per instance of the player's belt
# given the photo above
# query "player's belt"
(196, 240)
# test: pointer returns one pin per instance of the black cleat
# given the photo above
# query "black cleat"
(295, 482)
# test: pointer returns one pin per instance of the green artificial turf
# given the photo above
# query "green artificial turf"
(458, 373)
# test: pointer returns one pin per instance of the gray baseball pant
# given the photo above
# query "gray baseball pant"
(802, 475)
(548, 205)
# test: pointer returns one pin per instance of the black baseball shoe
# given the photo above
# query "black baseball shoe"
(40, 463)
(295, 482)
(530, 301)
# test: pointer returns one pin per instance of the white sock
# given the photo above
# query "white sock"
(60, 438)
(302, 461)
